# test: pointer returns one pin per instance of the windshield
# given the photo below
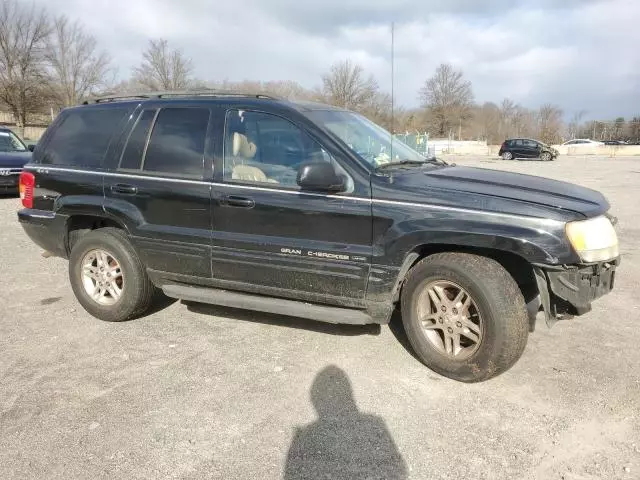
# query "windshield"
(9, 142)
(372, 142)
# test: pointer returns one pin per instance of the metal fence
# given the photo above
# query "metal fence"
(418, 141)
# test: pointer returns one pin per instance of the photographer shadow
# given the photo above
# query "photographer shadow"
(343, 442)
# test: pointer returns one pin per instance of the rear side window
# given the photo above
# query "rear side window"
(134, 150)
(82, 137)
(177, 142)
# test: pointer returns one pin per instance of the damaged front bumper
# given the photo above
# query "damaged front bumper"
(567, 291)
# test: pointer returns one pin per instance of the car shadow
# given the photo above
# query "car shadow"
(160, 302)
(282, 320)
(343, 443)
(397, 329)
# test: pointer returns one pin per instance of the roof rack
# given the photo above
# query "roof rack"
(176, 93)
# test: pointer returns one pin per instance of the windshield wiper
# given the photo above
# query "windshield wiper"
(431, 161)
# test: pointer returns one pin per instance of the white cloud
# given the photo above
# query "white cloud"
(576, 54)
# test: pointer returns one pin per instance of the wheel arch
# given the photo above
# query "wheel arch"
(80, 224)
(518, 267)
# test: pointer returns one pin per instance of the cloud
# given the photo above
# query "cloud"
(578, 54)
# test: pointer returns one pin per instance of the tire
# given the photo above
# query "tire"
(498, 305)
(507, 156)
(546, 157)
(136, 290)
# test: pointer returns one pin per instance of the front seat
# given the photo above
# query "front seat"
(242, 150)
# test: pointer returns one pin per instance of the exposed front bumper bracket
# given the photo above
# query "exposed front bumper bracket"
(568, 291)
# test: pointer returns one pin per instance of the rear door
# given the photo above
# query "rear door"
(158, 183)
(269, 236)
(69, 167)
(518, 148)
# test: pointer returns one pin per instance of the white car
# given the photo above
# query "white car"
(582, 142)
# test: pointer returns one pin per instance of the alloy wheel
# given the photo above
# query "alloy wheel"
(102, 277)
(450, 319)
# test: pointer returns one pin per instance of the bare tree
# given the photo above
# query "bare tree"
(347, 86)
(516, 120)
(633, 128)
(163, 68)
(448, 98)
(618, 128)
(378, 110)
(486, 123)
(77, 68)
(23, 33)
(574, 125)
(549, 123)
(409, 121)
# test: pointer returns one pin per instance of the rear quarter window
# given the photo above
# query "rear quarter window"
(81, 137)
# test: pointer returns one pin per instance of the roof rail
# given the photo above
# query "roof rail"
(176, 93)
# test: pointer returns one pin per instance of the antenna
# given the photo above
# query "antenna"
(392, 85)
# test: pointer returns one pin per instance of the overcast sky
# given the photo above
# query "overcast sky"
(578, 54)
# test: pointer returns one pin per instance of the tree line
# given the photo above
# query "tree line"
(51, 62)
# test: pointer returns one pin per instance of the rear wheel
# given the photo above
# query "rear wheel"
(464, 316)
(108, 278)
(546, 157)
(507, 156)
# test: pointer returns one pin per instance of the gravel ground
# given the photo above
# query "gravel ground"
(204, 392)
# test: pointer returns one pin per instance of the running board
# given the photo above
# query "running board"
(281, 306)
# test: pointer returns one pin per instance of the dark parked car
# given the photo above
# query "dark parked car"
(527, 148)
(14, 154)
(312, 211)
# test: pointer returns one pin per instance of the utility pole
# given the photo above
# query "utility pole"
(392, 85)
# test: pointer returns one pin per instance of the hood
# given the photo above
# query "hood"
(497, 190)
(14, 159)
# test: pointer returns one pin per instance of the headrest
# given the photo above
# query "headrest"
(242, 146)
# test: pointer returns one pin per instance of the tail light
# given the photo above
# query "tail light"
(26, 186)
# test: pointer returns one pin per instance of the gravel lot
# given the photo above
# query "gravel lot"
(204, 392)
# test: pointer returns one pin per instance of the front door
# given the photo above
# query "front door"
(531, 149)
(269, 236)
(157, 183)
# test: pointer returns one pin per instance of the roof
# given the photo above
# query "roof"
(208, 96)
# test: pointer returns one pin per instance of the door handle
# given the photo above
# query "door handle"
(235, 201)
(124, 189)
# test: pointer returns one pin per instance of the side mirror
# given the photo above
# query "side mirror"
(319, 176)
(31, 147)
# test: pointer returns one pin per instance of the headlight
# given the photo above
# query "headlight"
(595, 239)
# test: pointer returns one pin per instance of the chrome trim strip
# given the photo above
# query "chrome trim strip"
(546, 221)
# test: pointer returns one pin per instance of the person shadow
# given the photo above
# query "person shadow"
(343, 443)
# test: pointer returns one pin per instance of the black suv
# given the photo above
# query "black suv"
(307, 210)
(527, 148)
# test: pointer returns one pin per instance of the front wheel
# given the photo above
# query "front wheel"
(546, 157)
(108, 278)
(464, 315)
(507, 156)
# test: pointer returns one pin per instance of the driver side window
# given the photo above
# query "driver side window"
(261, 148)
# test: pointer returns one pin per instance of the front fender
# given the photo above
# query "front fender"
(400, 236)
(537, 240)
